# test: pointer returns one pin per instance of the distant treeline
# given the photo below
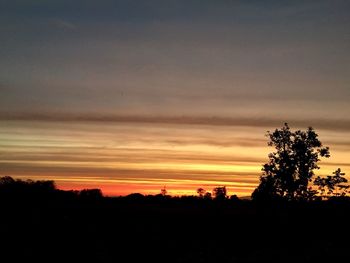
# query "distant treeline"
(43, 191)
(11, 188)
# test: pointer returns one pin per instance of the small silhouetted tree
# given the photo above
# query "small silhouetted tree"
(135, 197)
(91, 194)
(207, 196)
(201, 192)
(46, 186)
(6, 180)
(220, 193)
(291, 167)
(234, 198)
(332, 185)
(163, 191)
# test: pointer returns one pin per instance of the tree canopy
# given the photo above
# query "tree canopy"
(291, 166)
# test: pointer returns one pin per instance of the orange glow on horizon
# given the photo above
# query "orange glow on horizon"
(125, 158)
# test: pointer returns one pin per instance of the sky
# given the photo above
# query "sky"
(131, 96)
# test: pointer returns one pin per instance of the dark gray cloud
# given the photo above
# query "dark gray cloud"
(325, 124)
(175, 56)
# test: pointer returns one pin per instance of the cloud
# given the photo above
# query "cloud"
(324, 124)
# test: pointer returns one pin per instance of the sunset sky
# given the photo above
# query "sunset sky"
(131, 96)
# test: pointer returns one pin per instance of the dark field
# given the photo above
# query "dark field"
(156, 229)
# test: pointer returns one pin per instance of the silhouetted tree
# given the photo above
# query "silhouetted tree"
(267, 190)
(207, 196)
(91, 194)
(332, 185)
(201, 192)
(291, 167)
(43, 186)
(29, 189)
(7, 186)
(135, 197)
(234, 198)
(163, 191)
(6, 180)
(220, 193)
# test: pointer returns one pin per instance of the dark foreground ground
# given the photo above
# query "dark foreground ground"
(161, 230)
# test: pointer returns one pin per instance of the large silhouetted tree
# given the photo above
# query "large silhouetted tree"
(291, 166)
